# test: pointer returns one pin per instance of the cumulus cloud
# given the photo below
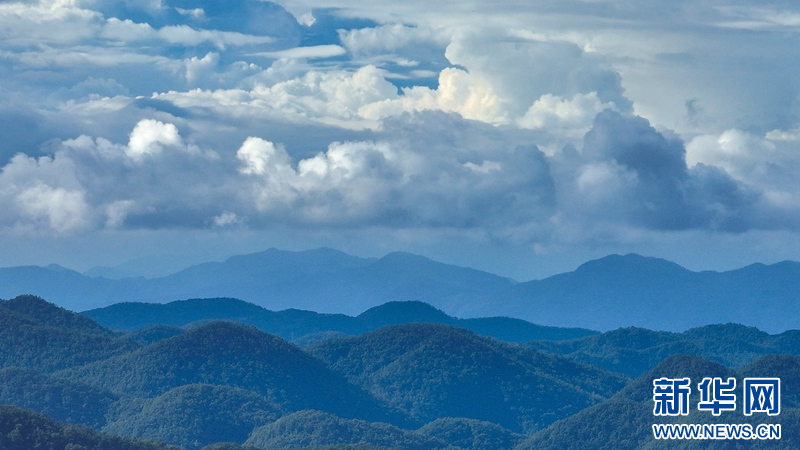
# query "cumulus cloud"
(334, 97)
(232, 115)
(631, 171)
(156, 180)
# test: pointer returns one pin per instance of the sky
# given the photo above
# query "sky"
(521, 138)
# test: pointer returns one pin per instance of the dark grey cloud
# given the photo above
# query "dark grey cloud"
(661, 191)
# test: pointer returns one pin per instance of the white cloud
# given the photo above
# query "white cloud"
(332, 98)
(553, 112)
(149, 137)
(312, 52)
(388, 38)
(61, 210)
(458, 91)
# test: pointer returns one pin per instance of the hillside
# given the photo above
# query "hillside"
(316, 429)
(471, 434)
(196, 415)
(42, 336)
(65, 401)
(634, 350)
(229, 354)
(21, 429)
(432, 371)
(411, 385)
(625, 421)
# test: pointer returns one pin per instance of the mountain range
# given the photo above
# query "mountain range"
(611, 292)
(410, 382)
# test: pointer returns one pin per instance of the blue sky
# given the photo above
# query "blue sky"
(523, 138)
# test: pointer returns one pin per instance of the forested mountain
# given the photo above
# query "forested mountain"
(60, 399)
(412, 385)
(624, 422)
(22, 429)
(195, 414)
(42, 336)
(317, 428)
(230, 354)
(432, 371)
(471, 434)
(293, 323)
(604, 294)
(634, 350)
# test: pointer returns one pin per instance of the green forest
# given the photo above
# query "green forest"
(216, 375)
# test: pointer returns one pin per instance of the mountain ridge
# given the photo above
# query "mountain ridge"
(602, 294)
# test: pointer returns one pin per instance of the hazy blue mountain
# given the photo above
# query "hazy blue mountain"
(634, 350)
(632, 290)
(432, 371)
(604, 294)
(293, 324)
(322, 280)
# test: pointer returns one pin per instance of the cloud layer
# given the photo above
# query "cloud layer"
(543, 126)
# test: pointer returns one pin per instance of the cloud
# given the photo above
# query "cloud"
(149, 137)
(315, 51)
(333, 97)
(631, 172)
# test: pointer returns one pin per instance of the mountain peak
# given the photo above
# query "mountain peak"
(629, 262)
(399, 312)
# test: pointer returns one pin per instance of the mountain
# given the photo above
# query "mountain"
(625, 420)
(42, 336)
(22, 429)
(316, 428)
(322, 280)
(432, 371)
(471, 434)
(196, 415)
(235, 355)
(604, 294)
(634, 350)
(632, 290)
(62, 400)
(293, 323)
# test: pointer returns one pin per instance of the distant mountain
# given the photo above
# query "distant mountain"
(432, 371)
(293, 323)
(634, 350)
(323, 280)
(608, 293)
(653, 293)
